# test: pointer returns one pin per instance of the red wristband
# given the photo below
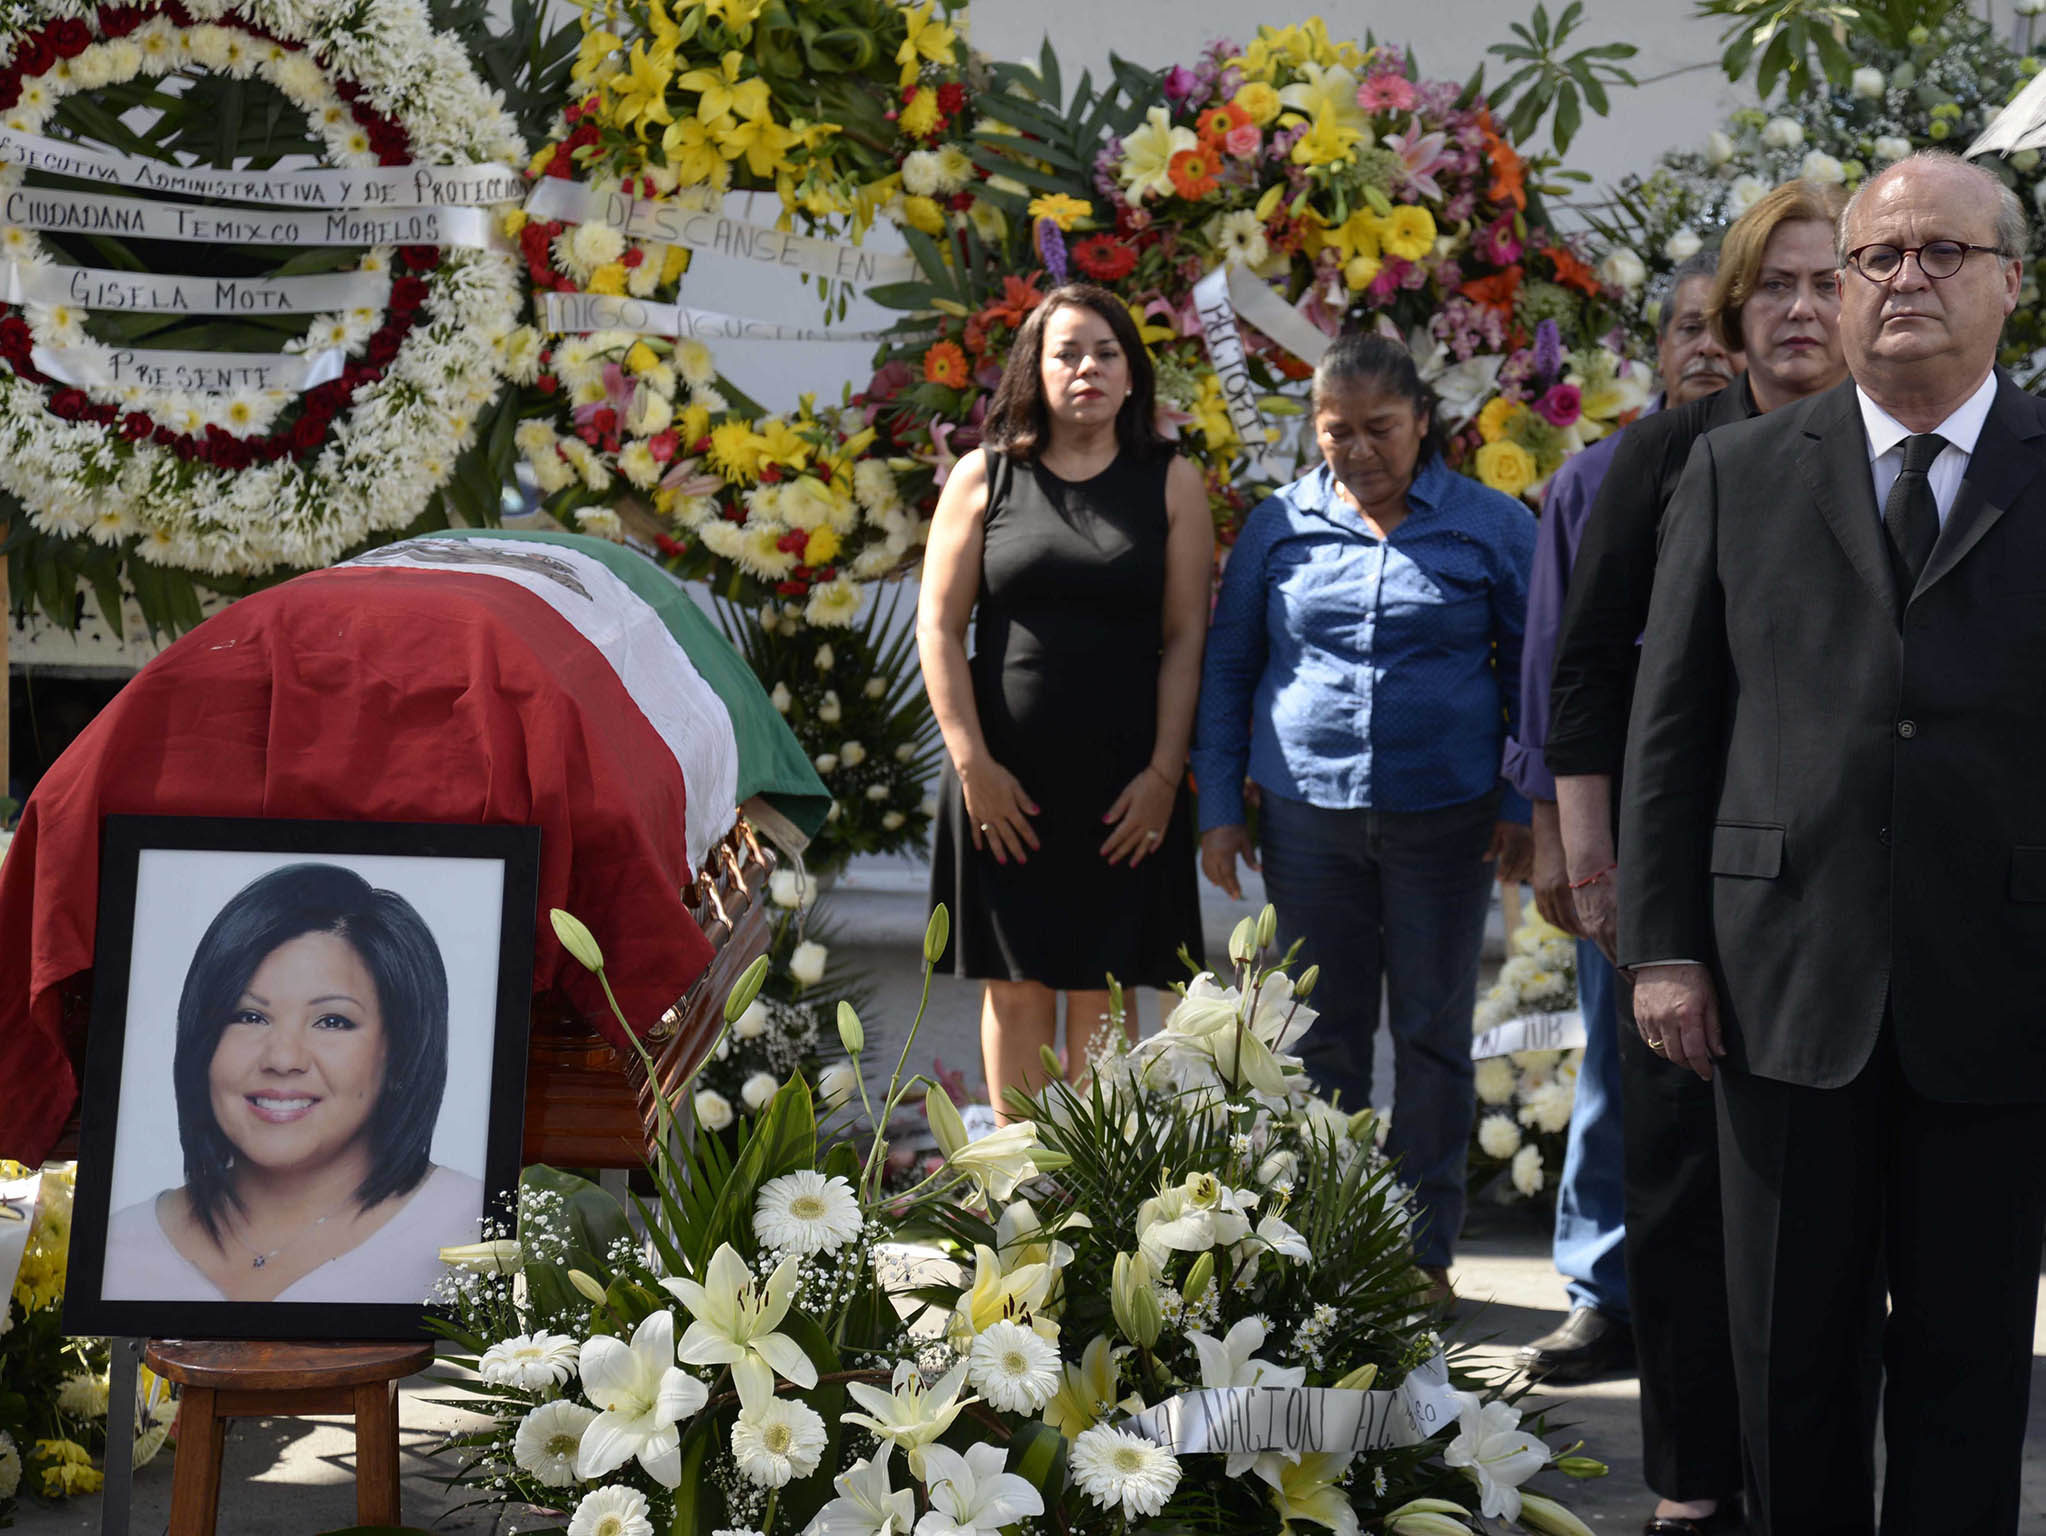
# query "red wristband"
(1578, 885)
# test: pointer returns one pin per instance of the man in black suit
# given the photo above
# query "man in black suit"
(1835, 835)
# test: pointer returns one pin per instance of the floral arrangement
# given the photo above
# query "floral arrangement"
(1545, 403)
(779, 1353)
(732, 94)
(1525, 1098)
(855, 113)
(784, 508)
(1370, 196)
(234, 482)
(1911, 88)
(854, 698)
(53, 1389)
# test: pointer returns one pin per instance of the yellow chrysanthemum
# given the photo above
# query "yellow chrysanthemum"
(919, 113)
(737, 452)
(782, 443)
(1506, 466)
(608, 279)
(923, 213)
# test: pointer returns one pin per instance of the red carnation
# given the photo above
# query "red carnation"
(951, 97)
(69, 37)
(791, 588)
(793, 542)
(135, 426)
(69, 404)
(34, 56)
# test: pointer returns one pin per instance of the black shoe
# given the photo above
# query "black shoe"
(1723, 1521)
(1590, 1344)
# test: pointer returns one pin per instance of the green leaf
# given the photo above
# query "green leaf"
(697, 1505)
(1568, 116)
(1038, 1455)
(783, 1140)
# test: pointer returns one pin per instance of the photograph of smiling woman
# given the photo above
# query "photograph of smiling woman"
(310, 1064)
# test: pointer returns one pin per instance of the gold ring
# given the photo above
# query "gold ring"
(1150, 837)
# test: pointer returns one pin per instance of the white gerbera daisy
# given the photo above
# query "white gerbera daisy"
(1113, 1466)
(531, 1362)
(804, 1212)
(612, 1511)
(548, 1439)
(1013, 1368)
(777, 1440)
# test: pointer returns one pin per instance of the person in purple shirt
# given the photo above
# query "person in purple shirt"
(1595, 1339)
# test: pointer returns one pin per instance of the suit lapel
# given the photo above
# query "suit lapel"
(1998, 471)
(1837, 473)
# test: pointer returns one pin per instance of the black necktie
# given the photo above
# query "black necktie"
(1911, 516)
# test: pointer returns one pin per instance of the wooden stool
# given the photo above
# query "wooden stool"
(251, 1379)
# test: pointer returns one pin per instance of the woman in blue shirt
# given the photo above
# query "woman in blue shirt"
(1362, 671)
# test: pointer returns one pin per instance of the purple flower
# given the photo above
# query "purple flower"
(1460, 207)
(1051, 245)
(1179, 83)
(1228, 83)
(1548, 349)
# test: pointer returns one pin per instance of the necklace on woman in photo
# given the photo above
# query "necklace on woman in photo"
(259, 1258)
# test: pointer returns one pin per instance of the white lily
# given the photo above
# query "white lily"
(735, 1324)
(1228, 1362)
(866, 1504)
(1193, 1216)
(911, 1415)
(1086, 1390)
(1495, 1453)
(1002, 1159)
(971, 1495)
(1311, 1489)
(1000, 1292)
(1272, 1235)
(642, 1393)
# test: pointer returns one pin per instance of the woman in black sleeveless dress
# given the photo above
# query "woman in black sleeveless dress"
(1064, 847)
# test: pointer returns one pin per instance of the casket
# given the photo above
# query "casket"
(545, 680)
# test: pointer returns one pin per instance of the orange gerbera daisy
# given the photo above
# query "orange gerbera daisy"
(1193, 172)
(946, 364)
(1215, 124)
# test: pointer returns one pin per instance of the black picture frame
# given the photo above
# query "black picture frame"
(188, 856)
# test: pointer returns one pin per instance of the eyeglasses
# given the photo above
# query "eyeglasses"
(1936, 259)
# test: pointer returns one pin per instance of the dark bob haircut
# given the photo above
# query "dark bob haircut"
(1365, 357)
(1018, 421)
(412, 995)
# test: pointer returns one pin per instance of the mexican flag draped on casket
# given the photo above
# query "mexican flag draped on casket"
(474, 677)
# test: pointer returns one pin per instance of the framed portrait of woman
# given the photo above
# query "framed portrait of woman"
(305, 1072)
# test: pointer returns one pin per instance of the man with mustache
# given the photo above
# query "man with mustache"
(1836, 855)
(1776, 298)
(1596, 1338)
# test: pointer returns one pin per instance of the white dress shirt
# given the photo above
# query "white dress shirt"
(1886, 437)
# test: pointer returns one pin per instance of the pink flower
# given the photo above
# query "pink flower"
(1391, 276)
(1496, 243)
(1561, 406)
(617, 398)
(1386, 93)
(1243, 141)
(1422, 155)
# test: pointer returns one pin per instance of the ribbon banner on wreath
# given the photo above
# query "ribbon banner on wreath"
(312, 405)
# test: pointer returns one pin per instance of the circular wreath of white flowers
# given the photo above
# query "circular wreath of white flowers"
(396, 439)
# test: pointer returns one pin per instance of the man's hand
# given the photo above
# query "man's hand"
(1551, 872)
(1597, 905)
(1512, 849)
(1676, 1011)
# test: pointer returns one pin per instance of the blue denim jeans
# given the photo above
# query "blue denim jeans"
(1394, 901)
(1591, 1217)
